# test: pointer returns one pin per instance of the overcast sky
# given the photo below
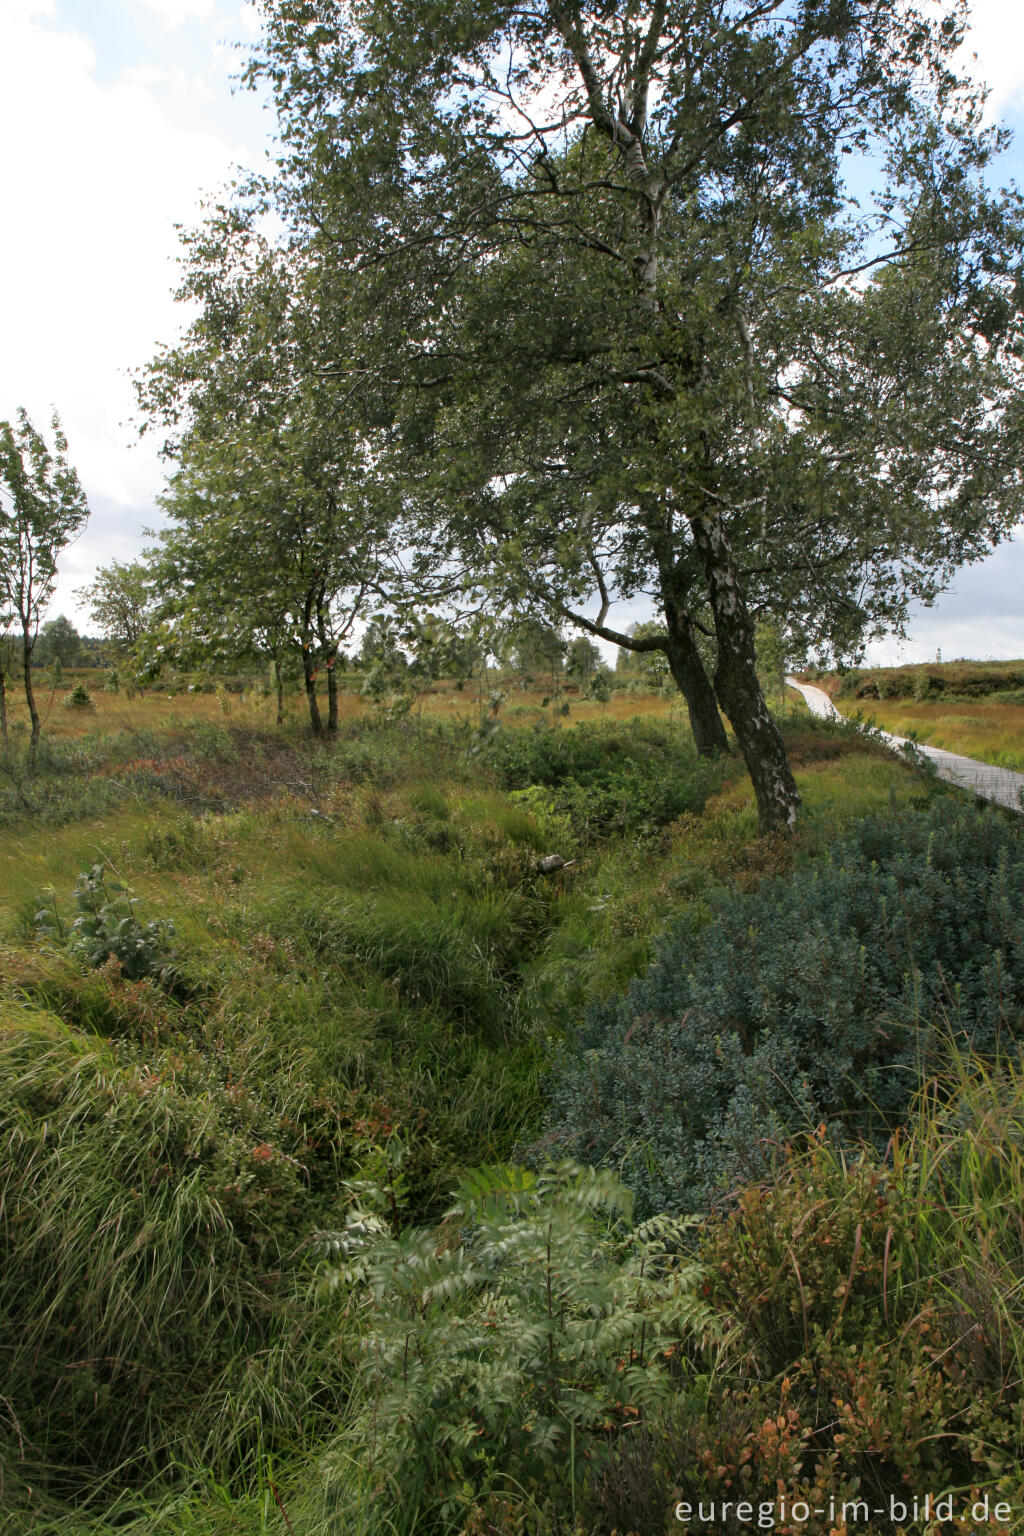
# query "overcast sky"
(115, 117)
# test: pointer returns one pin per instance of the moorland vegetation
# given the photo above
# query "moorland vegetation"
(444, 1092)
(973, 708)
(360, 1175)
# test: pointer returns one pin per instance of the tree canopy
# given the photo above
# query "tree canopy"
(120, 599)
(279, 537)
(59, 641)
(635, 332)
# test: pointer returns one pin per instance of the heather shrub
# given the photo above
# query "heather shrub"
(820, 998)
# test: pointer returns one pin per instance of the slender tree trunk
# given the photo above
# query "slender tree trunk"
(308, 669)
(279, 687)
(736, 680)
(309, 677)
(30, 699)
(690, 677)
(5, 740)
(329, 654)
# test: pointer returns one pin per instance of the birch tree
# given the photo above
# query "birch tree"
(42, 508)
(637, 333)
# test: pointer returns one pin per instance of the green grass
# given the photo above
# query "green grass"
(975, 709)
(366, 957)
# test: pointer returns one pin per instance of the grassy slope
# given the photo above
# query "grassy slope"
(973, 708)
(364, 948)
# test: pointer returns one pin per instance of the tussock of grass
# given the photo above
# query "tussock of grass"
(151, 1304)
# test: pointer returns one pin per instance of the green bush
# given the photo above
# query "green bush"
(607, 777)
(78, 698)
(503, 1351)
(823, 997)
(922, 681)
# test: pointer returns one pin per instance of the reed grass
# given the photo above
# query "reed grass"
(991, 730)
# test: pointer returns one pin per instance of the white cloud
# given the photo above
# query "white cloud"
(172, 13)
(96, 173)
(997, 38)
(247, 23)
(940, 636)
(24, 10)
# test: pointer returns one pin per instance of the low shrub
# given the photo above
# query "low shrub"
(78, 698)
(822, 997)
(607, 777)
(874, 1314)
(948, 680)
(503, 1351)
(105, 927)
(848, 1333)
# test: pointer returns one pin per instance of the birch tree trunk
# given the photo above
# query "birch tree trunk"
(30, 698)
(736, 681)
(690, 677)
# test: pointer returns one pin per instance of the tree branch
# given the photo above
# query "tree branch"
(627, 642)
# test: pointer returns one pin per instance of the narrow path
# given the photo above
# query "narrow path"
(991, 783)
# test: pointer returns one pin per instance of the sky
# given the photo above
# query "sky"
(116, 118)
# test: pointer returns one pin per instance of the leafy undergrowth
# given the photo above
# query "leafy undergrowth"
(257, 1027)
(847, 1334)
(873, 1317)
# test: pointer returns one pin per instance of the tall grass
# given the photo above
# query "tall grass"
(991, 730)
(152, 1302)
(366, 950)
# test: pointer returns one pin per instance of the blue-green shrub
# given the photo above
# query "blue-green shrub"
(823, 997)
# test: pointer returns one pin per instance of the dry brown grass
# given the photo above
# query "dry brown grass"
(172, 709)
(987, 729)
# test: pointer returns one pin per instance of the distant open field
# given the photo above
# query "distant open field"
(173, 706)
